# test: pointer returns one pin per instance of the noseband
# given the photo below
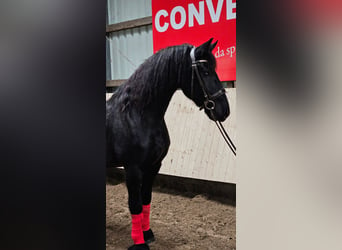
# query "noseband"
(209, 99)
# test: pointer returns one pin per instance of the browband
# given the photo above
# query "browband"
(193, 59)
(192, 54)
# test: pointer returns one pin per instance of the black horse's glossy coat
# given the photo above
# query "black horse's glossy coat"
(137, 136)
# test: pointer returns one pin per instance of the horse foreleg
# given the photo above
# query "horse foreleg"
(146, 192)
(134, 183)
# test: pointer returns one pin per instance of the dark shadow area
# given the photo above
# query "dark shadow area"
(217, 191)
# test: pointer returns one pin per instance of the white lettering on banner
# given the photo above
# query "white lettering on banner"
(215, 16)
(194, 13)
(157, 21)
(230, 7)
(179, 25)
(228, 52)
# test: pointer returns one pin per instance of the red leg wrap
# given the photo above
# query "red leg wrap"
(137, 233)
(146, 217)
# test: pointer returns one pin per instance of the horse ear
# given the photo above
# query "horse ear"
(206, 46)
(212, 46)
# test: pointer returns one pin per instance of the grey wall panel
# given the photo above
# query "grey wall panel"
(125, 10)
(128, 49)
(108, 70)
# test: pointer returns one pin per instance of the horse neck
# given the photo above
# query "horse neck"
(166, 86)
(163, 94)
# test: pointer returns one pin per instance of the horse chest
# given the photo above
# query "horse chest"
(158, 143)
(141, 143)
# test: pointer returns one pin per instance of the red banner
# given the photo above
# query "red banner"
(193, 21)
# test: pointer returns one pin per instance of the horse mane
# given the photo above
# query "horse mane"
(154, 76)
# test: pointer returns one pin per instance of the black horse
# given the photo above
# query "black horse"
(137, 136)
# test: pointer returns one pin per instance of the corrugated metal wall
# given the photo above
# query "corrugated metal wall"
(125, 10)
(130, 47)
(108, 66)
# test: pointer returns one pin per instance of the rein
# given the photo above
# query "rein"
(209, 102)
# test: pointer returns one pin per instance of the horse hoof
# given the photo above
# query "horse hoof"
(148, 236)
(139, 247)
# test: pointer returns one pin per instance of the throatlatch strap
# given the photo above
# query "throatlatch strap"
(146, 217)
(137, 233)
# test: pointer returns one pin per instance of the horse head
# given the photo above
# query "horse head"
(205, 88)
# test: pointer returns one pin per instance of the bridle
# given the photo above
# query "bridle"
(209, 99)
